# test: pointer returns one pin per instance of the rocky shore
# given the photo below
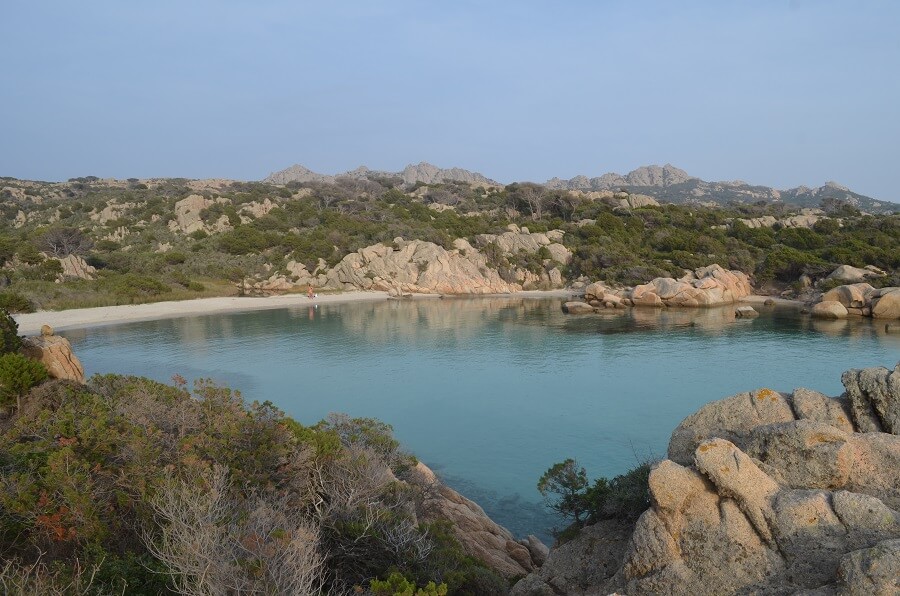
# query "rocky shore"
(764, 493)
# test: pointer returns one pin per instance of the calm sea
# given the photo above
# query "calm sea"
(491, 392)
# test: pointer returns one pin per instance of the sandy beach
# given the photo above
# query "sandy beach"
(30, 324)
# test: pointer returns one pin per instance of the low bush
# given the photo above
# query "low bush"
(15, 302)
(9, 334)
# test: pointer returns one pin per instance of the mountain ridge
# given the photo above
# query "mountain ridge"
(666, 183)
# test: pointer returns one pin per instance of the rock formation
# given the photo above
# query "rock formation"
(479, 536)
(418, 267)
(73, 266)
(859, 299)
(762, 493)
(706, 286)
(55, 353)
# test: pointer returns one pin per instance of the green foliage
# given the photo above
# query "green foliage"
(132, 286)
(18, 374)
(9, 334)
(786, 264)
(15, 302)
(566, 488)
(397, 585)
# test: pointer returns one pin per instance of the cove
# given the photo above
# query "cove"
(490, 392)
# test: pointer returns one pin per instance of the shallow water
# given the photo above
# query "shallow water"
(491, 392)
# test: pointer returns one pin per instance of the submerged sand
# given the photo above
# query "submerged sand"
(77, 318)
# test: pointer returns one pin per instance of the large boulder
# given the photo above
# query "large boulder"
(874, 398)
(587, 564)
(887, 304)
(56, 354)
(850, 274)
(860, 299)
(187, 214)
(851, 296)
(830, 309)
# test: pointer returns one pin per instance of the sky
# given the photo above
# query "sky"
(780, 93)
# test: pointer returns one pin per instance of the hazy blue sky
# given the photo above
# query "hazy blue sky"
(774, 92)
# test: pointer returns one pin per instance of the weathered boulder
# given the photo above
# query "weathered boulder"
(187, 214)
(874, 397)
(887, 304)
(851, 296)
(595, 291)
(732, 418)
(829, 310)
(745, 312)
(868, 571)
(73, 266)
(860, 299)
(850, 274)
(585, 565)
(56, 354)
(577, 308)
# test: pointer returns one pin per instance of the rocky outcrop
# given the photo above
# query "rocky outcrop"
(516, 240)
(479, 536)
(187, 213)
(73, 266)
(859, 299)
(763, 492)
(55, 353)
(419, 267)
(706, 286)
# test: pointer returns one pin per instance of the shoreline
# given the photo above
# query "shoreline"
(98, 316)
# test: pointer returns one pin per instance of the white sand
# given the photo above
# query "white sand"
(30, 324)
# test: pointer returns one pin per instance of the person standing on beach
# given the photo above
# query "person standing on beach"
(309, 292)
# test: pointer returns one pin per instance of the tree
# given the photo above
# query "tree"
(564, 487)
(64, 241)
(9, 334)
(18, 374)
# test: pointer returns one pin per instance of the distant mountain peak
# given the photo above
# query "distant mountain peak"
(411, 174)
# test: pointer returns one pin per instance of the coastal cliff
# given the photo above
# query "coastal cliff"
(762, 492)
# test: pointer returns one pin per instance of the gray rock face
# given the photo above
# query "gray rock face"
(297, 173)
(586, 565)
(874, 398)
(765, 493)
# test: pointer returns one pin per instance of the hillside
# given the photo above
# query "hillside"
(93, 242)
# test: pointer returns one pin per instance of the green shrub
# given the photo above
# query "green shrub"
(196, 286)
(18, 374)
(9, 334)
(397, 585)
(15, 302)
(567, 491)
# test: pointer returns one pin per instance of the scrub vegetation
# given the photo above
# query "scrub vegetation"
(129, 231)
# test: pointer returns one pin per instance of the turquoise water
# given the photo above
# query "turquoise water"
(491, 392)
